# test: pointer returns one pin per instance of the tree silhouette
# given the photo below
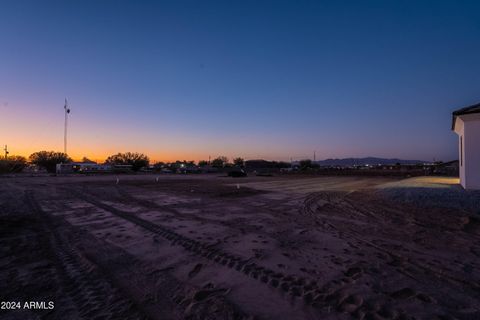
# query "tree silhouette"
(159, 165)
(136, 160)
(202, 163)
(12, 164)
(220, 162)
(49, 159)
(305, 164)
(239, 162)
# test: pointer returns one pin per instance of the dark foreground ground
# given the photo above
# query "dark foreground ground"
(204, 247)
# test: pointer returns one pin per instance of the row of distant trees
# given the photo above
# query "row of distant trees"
(49, 159)
(219, 162)
(222, 161)
(45, 159)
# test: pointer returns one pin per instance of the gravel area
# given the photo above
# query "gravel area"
(432, 192)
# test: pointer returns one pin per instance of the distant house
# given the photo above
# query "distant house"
(259, 164)
(466, 123)
(83, 167)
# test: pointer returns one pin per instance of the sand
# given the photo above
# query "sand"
(209, 247)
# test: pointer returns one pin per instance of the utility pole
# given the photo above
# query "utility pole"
(6, 152)
(314, 156)
(67, 111)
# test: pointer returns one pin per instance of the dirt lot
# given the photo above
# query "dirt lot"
(207, 247)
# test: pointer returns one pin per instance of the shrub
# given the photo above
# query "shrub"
(220, 162)
(202, 163)
(12, 164)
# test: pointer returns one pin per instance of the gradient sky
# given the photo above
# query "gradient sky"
(257, 79)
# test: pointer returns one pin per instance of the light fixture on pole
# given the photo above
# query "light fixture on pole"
(67, 111)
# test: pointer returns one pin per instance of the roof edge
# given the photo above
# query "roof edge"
(474, 108)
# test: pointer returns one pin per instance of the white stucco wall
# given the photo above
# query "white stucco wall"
(459, 129)
(468, 127)
(472, 154)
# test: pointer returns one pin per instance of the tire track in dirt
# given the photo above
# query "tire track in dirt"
(316, 202)
(338, 202)
(332, 296)
(159, 294)
(274, 213)
(92, 297)
(127, 198)
(331, 200)
(168, 208)
(292, 285)
(207, 251)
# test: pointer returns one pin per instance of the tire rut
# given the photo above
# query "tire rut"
(93, 299)
(172, 209)
(291, 285)
(310, 208)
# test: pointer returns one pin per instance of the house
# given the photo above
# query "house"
(83, 167)
(466, 123)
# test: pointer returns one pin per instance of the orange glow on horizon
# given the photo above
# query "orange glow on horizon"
(101, 157)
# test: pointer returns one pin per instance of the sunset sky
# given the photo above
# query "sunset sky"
(257, 79)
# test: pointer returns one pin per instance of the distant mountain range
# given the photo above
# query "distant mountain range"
(364, 161)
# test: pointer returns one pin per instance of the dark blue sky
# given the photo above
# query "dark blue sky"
(268, 79)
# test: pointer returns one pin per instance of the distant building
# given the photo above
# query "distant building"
(265, 168)
(84, 167)
(466, 123)
(259, 164)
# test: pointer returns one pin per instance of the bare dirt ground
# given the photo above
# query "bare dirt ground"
(205, 247)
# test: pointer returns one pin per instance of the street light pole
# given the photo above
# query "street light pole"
(67, 111)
